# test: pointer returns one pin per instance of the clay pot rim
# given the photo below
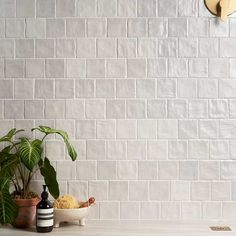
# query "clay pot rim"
(21, 202)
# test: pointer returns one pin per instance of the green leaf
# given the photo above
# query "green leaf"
(71, 150)
(8, 162)
(50, 178)
(10, 134)
(47, 130)
(8, 208)
(30, 152)
(8, 166)
(5, 154)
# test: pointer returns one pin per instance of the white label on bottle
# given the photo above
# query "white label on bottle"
(45, 223)
(44, 217)
(49, 210)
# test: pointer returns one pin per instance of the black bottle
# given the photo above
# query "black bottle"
(44, 215)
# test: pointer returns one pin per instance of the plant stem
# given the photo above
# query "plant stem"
(28, 181)
(30, 176)
(14, 145)
(15, 186)
(22, 178)
(44, 137)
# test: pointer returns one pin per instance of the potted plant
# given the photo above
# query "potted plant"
(20, 159)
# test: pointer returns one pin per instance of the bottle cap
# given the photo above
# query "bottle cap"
(44, 194)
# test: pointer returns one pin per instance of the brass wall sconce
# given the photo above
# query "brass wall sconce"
(221, 8)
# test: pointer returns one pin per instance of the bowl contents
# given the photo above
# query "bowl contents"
(70, 202)
(66, 202)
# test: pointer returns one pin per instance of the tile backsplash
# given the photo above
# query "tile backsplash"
(146, 89)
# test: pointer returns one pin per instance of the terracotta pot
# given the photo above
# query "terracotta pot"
(26, 212)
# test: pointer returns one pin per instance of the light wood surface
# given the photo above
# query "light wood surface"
(131, 228)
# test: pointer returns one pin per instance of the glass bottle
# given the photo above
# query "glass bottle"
(44, 215)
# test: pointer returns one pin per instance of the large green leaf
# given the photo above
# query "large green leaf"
(47, 130)
(10, 134)
(50, 178)
(8, 166)
(5, 154)
(30, 152)
(8, 208)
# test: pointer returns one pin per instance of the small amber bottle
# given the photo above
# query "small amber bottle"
(44, 215)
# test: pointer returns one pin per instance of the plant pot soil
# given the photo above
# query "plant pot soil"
(26, 212)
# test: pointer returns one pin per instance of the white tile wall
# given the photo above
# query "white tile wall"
(146, 91)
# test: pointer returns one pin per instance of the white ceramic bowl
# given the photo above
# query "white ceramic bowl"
(70, 215)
